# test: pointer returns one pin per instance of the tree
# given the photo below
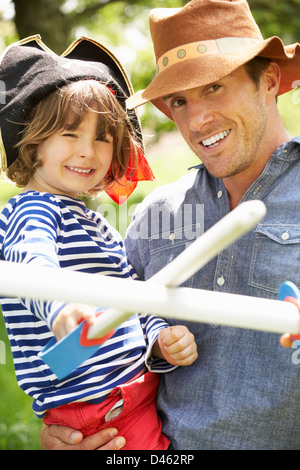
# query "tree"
(45, 17)
(57, 20)
(277, 18)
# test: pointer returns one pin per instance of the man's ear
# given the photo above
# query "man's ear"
(271, 77)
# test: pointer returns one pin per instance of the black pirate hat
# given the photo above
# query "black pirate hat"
(30, 71)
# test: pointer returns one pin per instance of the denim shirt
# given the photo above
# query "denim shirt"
(243, 392)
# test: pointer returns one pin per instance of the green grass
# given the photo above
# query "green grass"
(19, 428)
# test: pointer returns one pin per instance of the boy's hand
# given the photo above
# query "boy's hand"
(69, 317)
(177, 345)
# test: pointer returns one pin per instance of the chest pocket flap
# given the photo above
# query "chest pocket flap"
(275, 256)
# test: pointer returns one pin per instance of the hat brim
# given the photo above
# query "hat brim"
(201, 71)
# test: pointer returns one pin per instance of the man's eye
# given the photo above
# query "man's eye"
(178, 102)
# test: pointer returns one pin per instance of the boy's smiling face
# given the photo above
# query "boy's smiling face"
(73, 161)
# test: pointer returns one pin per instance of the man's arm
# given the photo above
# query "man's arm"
(63, 438)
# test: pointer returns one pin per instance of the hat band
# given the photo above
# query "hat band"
(194, 50)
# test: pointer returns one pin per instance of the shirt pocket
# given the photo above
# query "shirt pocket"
(166, 246)
(275, 257)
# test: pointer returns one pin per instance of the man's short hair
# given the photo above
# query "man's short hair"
(256, 67)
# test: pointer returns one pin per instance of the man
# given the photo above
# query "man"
(220, 90)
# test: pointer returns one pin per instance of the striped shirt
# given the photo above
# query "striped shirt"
(57, 231)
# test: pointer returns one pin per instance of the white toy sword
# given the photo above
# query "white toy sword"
(159, 295)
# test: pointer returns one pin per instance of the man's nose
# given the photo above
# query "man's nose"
(199, 114)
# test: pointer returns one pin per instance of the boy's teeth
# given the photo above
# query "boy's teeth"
(79, 170)
(214, 140)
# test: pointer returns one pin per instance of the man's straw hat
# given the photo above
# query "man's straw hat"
(203, 42)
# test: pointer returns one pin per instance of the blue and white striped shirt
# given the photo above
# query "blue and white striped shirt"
(57, 231)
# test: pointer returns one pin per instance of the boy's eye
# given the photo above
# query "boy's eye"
(68, 134)
(105, 138)
(214, 87)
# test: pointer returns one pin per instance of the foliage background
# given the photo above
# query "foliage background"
(123, 27)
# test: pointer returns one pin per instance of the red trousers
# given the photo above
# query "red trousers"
(138, 422)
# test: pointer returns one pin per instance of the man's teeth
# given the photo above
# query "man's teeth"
(214, 140)
(79, 170)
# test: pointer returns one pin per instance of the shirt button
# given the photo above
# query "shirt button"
(220, 281)
(172, 237)
(285, 236)
(220, 194)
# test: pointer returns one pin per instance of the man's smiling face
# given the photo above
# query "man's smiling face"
(224, 122)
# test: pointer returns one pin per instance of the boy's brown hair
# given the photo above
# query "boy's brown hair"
(53, 113)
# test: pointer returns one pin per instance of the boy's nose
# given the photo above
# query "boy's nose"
(87, 149)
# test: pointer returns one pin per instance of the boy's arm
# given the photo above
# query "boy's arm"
(31, 238)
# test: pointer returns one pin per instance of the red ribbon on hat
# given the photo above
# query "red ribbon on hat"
(120, 190)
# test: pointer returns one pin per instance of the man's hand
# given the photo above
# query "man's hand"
(55, 437)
